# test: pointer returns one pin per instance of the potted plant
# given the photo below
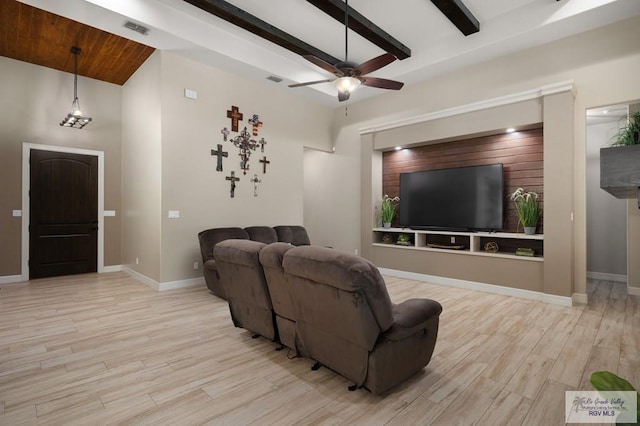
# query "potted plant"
(606, 381)
(388, 209)
(527, 208)
(619, 163)
(628, 134)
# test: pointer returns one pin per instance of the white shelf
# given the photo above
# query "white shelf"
(471, 241)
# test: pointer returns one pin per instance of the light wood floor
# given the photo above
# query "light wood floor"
(105, 349)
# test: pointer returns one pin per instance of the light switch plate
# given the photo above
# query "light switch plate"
(17, 213)
(174, 214)
(109, 213)
(190, 94)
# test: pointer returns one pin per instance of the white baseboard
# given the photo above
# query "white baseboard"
(633, 291)
(112, 268)
(171, 285)
(580, 298)
(606, 277)
(488, 288)
(8, 279)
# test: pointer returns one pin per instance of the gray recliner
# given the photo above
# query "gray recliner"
(208, 240)
(345, 319)
(245, 285)
(271, 258)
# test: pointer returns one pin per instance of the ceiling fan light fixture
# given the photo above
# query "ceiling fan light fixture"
(75, 119)
(346, 84)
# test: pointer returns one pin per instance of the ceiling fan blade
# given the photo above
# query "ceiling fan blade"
(374, 64)
(343, 96)
(324, 65)
(381, 83)
(309, 83)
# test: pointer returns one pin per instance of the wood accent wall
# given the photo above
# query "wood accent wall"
(521, 154)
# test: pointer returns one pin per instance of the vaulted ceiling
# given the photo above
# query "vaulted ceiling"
(187, 28)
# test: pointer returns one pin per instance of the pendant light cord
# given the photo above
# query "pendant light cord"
(75, 78)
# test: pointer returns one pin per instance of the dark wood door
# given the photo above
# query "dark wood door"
(63, 212)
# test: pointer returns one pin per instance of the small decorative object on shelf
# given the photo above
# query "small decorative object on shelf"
(491, 247)
(388, 209)
(522, 251)
(404, 240)
(528, 209)
(387, 239)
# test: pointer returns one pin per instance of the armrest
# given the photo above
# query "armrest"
(411, 316)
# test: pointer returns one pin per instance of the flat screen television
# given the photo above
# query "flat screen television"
(462, 199)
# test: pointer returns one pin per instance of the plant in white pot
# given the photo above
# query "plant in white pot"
(527, 208)
(388, 209)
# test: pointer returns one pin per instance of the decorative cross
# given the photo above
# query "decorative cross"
(225, 133)
(255, 181)
(264, 162)
(233, 180)
(256, 123)
(262, 143)
(219, 153)
(235, 115)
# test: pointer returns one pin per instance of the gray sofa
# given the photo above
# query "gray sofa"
(330, 306)
(295, 235)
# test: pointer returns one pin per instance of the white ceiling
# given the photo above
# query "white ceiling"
(437, 46)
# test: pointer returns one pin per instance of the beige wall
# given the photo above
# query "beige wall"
(183, 176)
(142, 169)
(602, 64)
(33, 101)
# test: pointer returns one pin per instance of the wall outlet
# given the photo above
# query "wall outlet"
(137, 261)
(195, 265)
(453, 240)
(356, 252)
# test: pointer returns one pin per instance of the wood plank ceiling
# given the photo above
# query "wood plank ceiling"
(32, 35)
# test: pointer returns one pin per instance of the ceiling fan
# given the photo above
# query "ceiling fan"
(350, 75)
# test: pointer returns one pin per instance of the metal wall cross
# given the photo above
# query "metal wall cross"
(233, 180)
(264, 162)
(255, 181)
(219, 153)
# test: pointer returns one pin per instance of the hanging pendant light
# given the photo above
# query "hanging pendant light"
(75, 119)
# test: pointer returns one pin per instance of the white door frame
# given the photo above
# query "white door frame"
(26, 183)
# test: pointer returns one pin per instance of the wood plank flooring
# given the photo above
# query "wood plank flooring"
(106, 349)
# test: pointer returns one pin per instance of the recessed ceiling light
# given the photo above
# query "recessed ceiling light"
(606, 111)
(398, 148)
(511, 130)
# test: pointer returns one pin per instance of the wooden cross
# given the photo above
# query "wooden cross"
(235, 115)
(262, 143)
(219, 153)
(264, 162)
(256, 123)
(233, 180)
(255, 181)
(225, 133)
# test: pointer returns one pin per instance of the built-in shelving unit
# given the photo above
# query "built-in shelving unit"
(463, 243)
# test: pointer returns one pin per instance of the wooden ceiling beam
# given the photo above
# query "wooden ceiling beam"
(459, 15)
(248, 22)
(364, 27)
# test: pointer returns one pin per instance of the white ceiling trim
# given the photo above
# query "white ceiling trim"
(527, 95)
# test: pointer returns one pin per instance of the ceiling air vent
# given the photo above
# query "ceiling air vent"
(136, 27)
(274, 79)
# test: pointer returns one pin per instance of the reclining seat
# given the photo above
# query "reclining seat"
(244, 283)
(294, 234)
(279, 288)
(264, 234)
(208, 240)
(346, 321)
